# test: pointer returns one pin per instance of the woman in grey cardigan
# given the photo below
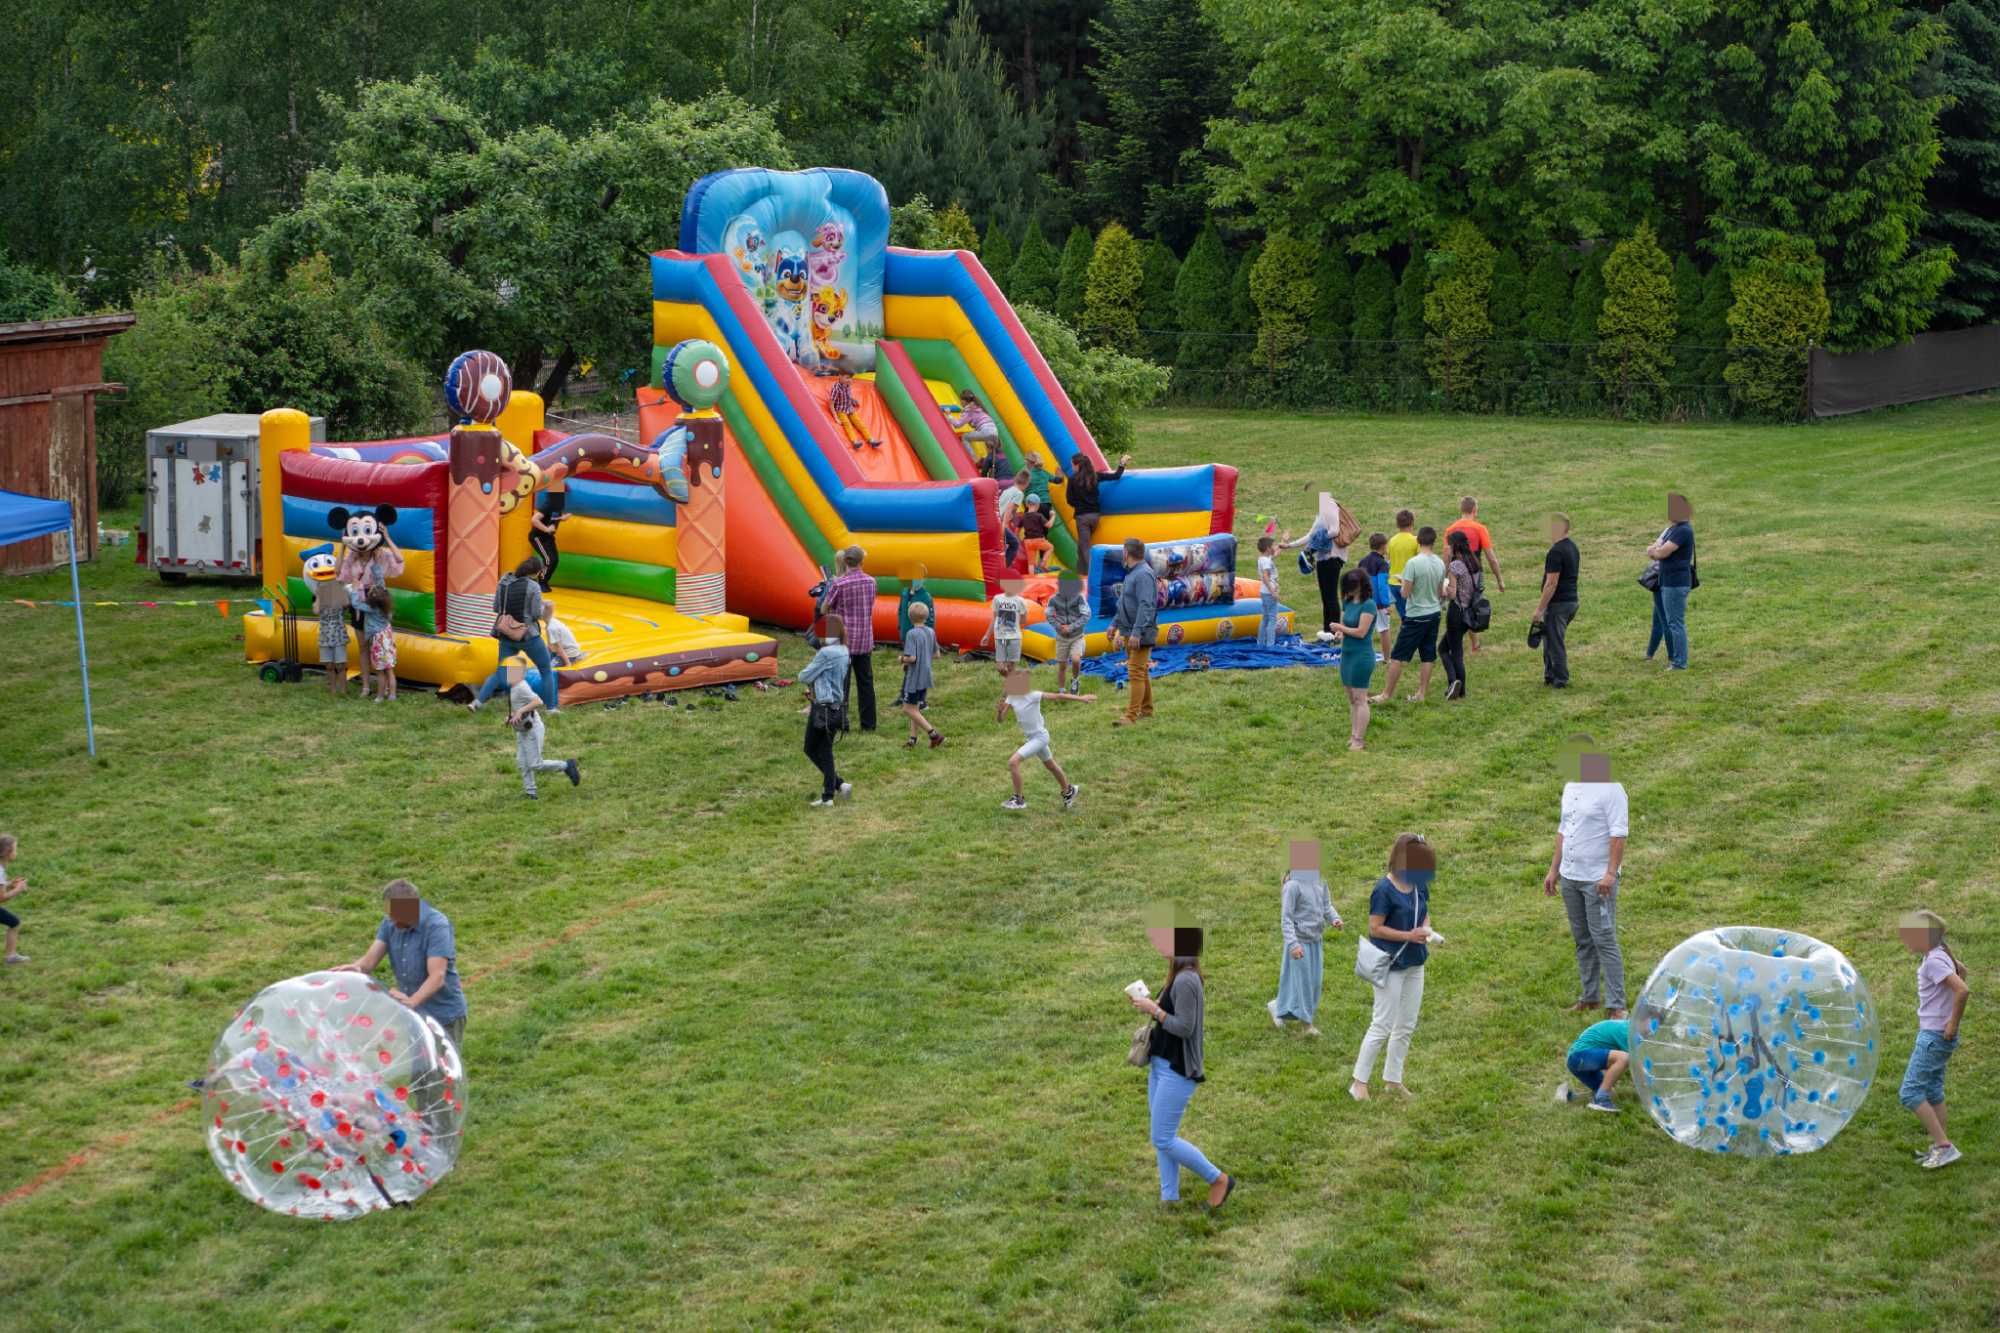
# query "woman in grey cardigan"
(1175, 1069)
(1305, 911)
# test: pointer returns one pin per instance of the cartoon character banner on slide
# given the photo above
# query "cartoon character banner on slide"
(809, 247)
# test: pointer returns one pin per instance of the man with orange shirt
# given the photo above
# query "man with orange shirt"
(1481, 542)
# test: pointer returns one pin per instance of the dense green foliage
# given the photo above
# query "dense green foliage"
(1241, 340)
(1408, 329)
(1507, 307)
(1033, 279)
(954, 229)
(1374, 328)
(28, 293)
(253, 335)
(996, 255)
(1107, 386)
(1113, 287)
(1964, 193)
(1157, 319)
(1636, 326)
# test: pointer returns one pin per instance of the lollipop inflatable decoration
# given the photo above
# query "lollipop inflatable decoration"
(1754, 1042)
(694, 374)
(477, 387)
(325, 1098)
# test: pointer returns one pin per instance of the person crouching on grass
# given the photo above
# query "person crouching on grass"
(529, 733)
(1597, 1059)
(1027, 706)
(919, 647)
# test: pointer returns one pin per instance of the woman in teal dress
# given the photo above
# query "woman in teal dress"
(1357, 651)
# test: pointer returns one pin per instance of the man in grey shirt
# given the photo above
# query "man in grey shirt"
(417, 940)
(1136, 626)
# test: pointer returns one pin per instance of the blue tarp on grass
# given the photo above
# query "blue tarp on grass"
(1227, 654)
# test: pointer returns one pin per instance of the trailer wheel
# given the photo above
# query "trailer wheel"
(271, 673)
(173, 576)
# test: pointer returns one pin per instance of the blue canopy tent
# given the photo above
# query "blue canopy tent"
(23, 517)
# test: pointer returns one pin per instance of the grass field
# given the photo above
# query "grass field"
(738, 1063)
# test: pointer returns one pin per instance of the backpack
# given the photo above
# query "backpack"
(1479, 614)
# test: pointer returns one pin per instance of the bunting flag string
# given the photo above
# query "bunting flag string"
(221, 604)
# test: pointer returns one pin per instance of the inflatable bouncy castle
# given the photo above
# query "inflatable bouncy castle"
(640, 580)
(848, 362)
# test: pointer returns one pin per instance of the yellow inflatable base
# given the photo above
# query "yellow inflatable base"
(630, 646)
(1241, 624)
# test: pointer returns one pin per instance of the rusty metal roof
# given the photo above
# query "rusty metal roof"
(67, 330)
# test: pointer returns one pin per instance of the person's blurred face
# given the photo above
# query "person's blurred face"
(1678, 509)
(404, 911)
(1018, 684)
(1557, 529)
(1594, 767)
(516, 673)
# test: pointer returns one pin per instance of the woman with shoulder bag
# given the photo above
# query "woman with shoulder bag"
(1174, 1069)
(1399, 921)
(1460, 587)
(517, 624)
(826, 676)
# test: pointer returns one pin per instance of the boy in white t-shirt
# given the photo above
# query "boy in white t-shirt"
(524, 715)
(1027, 706)
(1267, 591)
(1003, 631)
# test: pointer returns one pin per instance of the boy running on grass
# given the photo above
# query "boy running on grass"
(10, 889)
(1027, 706)
(919, 647)
(529, 733)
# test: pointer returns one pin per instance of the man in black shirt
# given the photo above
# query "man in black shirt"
(1558, 605)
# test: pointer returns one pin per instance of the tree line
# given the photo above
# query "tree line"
(1641, 206)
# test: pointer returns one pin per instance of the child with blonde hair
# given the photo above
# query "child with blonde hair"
(378, 644)
(10, 889)
(1941, 997)
(919, 647)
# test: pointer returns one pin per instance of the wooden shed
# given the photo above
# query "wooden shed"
(51, 372)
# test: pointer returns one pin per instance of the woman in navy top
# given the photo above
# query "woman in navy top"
(1675, 552)
(1399, 919)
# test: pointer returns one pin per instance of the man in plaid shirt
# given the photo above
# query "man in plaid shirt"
(852, 597)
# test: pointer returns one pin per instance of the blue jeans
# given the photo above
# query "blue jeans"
(1923, 1080)
(1670, 610)
(538, 653)
(1167, 1096)
(1267, 624)
(1588, 1066)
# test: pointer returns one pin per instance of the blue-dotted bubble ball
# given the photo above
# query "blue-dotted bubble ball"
(1754, 1042)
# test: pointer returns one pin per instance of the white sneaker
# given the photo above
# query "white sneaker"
(1271, 1007)
(1013, 803)
(817, 802)
(846, 791)
(1944, 1156)
(17, 958)
(1070, 794)
(1564, 1093)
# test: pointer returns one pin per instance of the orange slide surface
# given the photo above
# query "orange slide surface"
(895, 460)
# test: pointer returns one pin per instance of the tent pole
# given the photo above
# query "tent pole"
(82, 656)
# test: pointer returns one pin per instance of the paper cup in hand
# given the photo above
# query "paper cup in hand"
(1137, 990)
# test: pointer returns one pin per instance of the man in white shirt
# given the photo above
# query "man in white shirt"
(563, 646)
(1590, 849)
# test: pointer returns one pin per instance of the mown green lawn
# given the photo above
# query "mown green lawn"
(738, 1063)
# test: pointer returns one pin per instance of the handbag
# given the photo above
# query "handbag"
(1372, 962)
(1141, 1053)
(829, 717)
(508, 625)
(1649, 577)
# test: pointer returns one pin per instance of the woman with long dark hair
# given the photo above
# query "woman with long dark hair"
(1461, 585)
(551, 507)
(1087, 504)
(520, 596)
(826, 714)
(1355, 629)
(1174, 1069)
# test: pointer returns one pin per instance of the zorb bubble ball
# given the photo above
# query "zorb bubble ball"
(326, 1098)
(1754, 1042)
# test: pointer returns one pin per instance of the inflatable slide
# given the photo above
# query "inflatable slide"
(640, 580)
(848, 361)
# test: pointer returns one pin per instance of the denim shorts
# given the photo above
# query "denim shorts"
(1923, 1080)
(1588, 1066)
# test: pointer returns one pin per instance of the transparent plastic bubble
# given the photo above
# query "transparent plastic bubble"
(1754, 1042)
(326, 1098)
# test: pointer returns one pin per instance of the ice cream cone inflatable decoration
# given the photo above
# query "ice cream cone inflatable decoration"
(694, 376)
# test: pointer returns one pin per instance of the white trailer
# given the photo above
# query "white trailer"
(202, 514)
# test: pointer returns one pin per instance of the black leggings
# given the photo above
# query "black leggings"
(1329, 591)
(1452, 651)
(543, 544)
(819, 748)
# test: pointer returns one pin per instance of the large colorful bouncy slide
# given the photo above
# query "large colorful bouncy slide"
(791, 275)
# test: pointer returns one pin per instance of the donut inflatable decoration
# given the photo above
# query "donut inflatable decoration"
(477, 387)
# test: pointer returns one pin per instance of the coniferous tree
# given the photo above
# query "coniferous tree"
(1201, 311)
(1458, 313)
(1159, 327)
(1964, 190)
(1635, 330)
(1033, 279)
(1243, 309)
(1073, 274)
(996, 255)
(1547, 325)
(1687, 320)
(1409, 327)
(1711, 332)
(1284, 287)
(1507, 359)
(1586, 304)
(954, 229)
(1333, 313)
(1780, 309)
(1374, 325)
(1113, 286)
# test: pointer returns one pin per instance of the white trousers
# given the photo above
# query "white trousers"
(1394, 1019)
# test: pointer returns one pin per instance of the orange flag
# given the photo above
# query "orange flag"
(223, 609)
